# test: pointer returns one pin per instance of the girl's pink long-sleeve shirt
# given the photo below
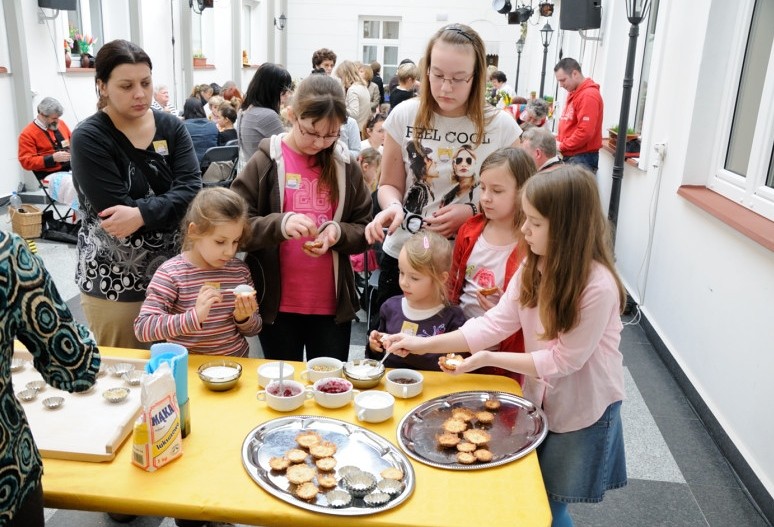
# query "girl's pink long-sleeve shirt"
(580, 373)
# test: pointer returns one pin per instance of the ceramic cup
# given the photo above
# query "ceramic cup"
(374, 406)
(293, 396)
(333, 392)
(321, 368)
(404, 383)
(271, 372)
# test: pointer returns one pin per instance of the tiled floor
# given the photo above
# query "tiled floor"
(677, 476)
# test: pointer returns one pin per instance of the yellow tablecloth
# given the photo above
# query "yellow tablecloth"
(209, 482)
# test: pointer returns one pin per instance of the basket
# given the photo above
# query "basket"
(27, 221)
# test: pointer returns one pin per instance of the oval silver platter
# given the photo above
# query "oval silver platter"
(354, 446)
(519, 427)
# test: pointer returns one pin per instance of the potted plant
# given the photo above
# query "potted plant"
(199, 60)
(84, 43)
(612, 134)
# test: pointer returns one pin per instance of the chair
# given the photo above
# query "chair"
(232, 142)
(43, 184)
(219, 165)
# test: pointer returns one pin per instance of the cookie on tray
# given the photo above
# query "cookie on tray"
(307, 491)
(298, 474)
(307, 438)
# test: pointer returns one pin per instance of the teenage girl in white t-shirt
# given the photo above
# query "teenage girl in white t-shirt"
(449, 112)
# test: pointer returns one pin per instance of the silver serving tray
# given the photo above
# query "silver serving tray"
(354, 446)
(518, 429)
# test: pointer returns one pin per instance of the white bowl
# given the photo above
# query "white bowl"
(269, 372)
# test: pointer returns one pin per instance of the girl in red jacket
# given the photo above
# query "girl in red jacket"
(487, 252)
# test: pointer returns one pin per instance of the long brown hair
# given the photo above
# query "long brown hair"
(319, 97)
(458, 35)
(520, 165)
(578, 236)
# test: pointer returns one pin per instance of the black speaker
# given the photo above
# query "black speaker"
(66, 5)
(580, 14)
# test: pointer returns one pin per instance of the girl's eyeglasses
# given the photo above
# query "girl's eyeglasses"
(460, 160)
(437, 78)
(314, 136)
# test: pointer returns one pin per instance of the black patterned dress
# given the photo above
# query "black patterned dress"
(32, 311)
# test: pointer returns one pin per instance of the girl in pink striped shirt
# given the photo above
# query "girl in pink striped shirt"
(567, 299)
(191, 299)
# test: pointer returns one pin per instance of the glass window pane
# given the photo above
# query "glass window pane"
(390, 55)
(392, 30)
(370, 29)
(369, 54)
(647, 53)
(247, 38)
(756, 61)
(388, 72)
(770, 177)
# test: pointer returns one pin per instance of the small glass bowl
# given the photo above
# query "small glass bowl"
(133, 378)
(220, 375)
(38, 385)
(27, 395)
(17, 365)
(364, 373)
(52, 403)
(116, 395)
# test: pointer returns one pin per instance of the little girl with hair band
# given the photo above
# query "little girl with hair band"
(423, 310)
(191, 299)
(308, 208)
(487, 251)
(567, 298)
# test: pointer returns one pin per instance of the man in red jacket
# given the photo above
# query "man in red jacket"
(580, 127)
(44, 145)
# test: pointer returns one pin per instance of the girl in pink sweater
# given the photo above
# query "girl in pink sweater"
(567, 300)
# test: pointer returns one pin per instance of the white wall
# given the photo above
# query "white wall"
(707, 289)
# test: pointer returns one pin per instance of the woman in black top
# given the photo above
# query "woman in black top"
(135, 171)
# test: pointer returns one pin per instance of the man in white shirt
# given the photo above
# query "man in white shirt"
(540, 144)
(499, 81)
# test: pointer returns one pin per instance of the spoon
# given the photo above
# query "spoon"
(376, 369)
(281, 379)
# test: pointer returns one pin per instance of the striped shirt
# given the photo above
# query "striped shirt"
(168, 312)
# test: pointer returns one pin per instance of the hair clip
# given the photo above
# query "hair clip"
(457, 28)
(425, 242)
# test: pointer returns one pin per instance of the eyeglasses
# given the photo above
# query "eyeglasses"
(315, 136)
(413, 223)
(453, 82)
(460, 160)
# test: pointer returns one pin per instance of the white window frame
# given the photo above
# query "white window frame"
(750, 191)
(380, 42)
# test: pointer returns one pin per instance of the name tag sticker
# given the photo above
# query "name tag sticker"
(293, 181)
(409, 328)
(65, 143)
(161, 147)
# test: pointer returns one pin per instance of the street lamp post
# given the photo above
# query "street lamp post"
(545, 34)
(519, 49)
(636, 10)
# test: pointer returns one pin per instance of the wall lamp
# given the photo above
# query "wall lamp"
(280, 22)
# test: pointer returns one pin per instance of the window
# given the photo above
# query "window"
(87, 19)
(745, 169)
(647, 55)
(379, 42)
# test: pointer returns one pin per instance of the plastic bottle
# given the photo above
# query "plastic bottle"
(15, 201)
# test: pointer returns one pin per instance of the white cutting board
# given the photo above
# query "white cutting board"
(86, 427)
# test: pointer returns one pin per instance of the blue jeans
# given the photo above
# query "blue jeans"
(580, 466)
(589, 159)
